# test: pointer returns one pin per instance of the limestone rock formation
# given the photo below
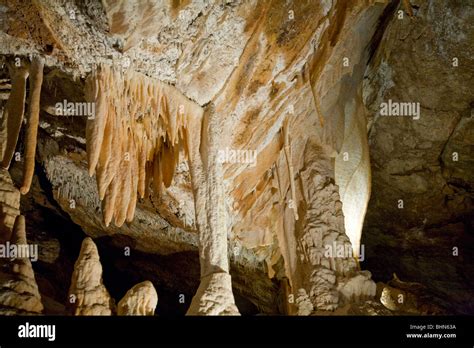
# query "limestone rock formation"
(246, 140)
(87, 293)
(19, 293)
(139, 300)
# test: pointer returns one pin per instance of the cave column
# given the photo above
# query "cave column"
(214, 295)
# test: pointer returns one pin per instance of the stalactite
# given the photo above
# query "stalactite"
(134, 138)
(289, 161)
(14, 110)
(32, 121)
(95, 129)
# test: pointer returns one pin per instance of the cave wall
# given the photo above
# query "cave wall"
(427, 162)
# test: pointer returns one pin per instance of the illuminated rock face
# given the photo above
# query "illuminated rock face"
(235, 130)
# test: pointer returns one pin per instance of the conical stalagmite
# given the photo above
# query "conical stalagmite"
(87, 293)
(9, 205)
(19, 295)
(139, 300)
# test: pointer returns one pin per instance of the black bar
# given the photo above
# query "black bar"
(314, 330)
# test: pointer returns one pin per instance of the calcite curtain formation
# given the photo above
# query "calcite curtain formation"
(134, 138)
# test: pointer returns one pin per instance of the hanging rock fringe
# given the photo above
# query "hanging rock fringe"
(134, 140)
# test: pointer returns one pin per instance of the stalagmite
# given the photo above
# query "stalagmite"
(87, 293)
(335, 279)
(19, 293)
(32, 121)
(137, 126)
(139, 300)
(9, 205)
(13, 114)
